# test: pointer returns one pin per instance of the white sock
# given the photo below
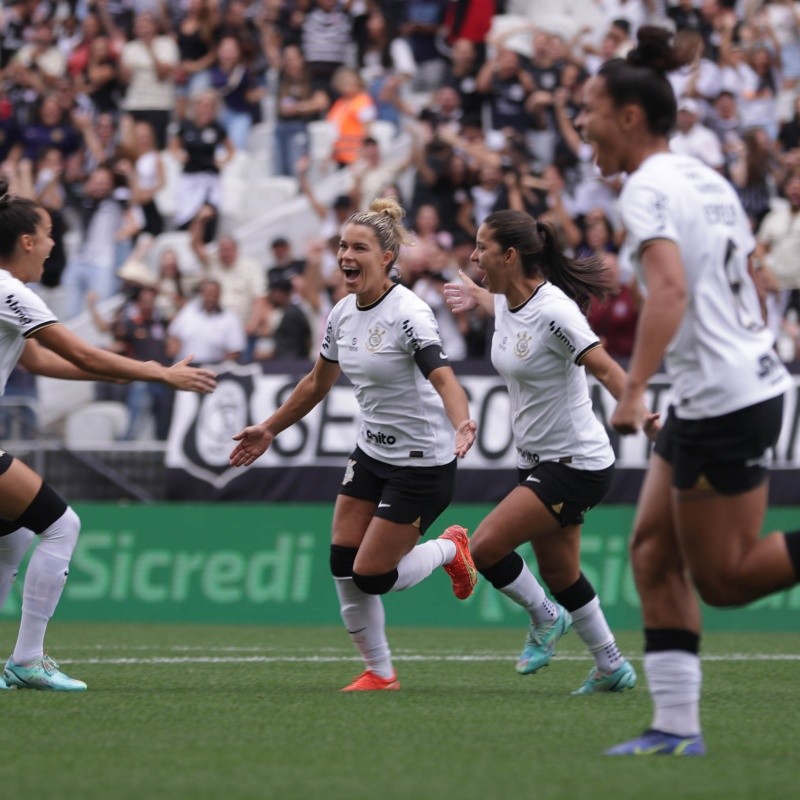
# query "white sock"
(364, 619)
(674, 677)
(422, 561)
(590, 624)
(527, 592)
(13, 547)
(44, 583)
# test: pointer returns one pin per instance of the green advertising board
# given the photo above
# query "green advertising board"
(268, 564)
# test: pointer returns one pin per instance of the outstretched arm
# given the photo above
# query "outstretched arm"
(467, 295)
(454, 398)
(254, 441)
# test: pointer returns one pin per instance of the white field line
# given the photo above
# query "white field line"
(328, 659)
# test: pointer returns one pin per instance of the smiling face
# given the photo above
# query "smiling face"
(363, 264)
(35, 248)
(599, 124)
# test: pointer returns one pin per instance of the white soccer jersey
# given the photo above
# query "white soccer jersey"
(721, 359)
(22, 312)
(535, 348)
(403, 421)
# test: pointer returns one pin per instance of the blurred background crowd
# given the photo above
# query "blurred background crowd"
(156, 131)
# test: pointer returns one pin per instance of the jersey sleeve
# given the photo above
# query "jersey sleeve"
(24, 310)
(646, 213)
(418, 328)
(567, 332)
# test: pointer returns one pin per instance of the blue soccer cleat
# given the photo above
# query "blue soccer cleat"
(658, 743)
(541, 642)
(622, 678)
(41, 674)
(4, 685)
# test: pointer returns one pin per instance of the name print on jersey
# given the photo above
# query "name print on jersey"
(559, 334)
(380, 438)
(19, 310)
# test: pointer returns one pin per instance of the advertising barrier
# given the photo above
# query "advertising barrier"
(268, 564)
(307, 461)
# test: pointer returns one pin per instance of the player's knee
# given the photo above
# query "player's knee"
(342, 560)
(49, 516)
(375, 584)
(484, 552)
(718, 592)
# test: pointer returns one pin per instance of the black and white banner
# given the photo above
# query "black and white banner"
(306, 461)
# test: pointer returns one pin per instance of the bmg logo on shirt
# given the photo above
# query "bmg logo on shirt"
(380, 439)
(19, 310)
(559, 334)
(408, 329)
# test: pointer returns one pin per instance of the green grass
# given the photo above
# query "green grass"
(246, 712)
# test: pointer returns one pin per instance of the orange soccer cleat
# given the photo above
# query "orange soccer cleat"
(461, 569)
(370, 682)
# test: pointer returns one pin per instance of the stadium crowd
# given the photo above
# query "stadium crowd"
(96, 96)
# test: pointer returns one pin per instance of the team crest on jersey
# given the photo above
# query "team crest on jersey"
(375, 339)
(349, 472)
(523, 344)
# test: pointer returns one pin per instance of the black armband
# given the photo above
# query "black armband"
(429, 358)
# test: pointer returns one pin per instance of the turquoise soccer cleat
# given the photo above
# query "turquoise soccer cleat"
(622, 678)
(3, 684)
(41, 674)
(658, 743)
(541, 642)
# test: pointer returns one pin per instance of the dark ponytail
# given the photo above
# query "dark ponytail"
(579, 278)
(541, 255)
(641, 77)
(18, 216)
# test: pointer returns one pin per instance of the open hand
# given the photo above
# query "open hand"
(252, 442)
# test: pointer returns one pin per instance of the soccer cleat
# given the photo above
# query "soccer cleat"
(370, 682)
(4, 685)
(41, 674)
(541, 642)
(461, 569)
(622, 678)
(658, 743)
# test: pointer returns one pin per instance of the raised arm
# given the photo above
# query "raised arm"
(467, 295)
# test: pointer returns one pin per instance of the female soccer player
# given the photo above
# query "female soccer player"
(565, 461)
(400, 476)
(31, 335)
(705, 493)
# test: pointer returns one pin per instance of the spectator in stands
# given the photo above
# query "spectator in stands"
(196, 51)
(205, 331)
(372, 172)
(144, 171)
(387, 67)
(98, 81)
(700, 78)
(29, 507)
(284, 331)
(197, 146)
(724, 120)
(147, 67)
(694, 139)
(237, 89)
(39, 64)
(332, 216)
(351, 115)
(487, 195)
(51, 127)
(778, 247)
(241, 280)
(506, 86)
(174, 288)
(422, 26)
(283, 264)
(298, 103)
(327, 38)
(92, 268)
(754, 173)
(461, 75)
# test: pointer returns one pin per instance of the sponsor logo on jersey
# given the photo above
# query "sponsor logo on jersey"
(353, 346)
(326, 342)
(528, 456)
(559, 334)
(658, 208)
(19, 310)
(380, 439)
(375, 339)
(523, 344)
(408, 329)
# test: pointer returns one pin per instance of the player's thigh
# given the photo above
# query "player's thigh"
(717, 530)
(19, 485)
(384, 545)
(351, 518)
(519, 517)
